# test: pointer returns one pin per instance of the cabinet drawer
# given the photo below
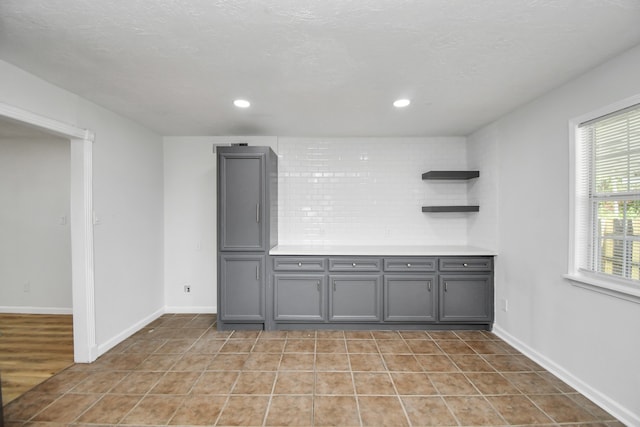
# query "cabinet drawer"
(354, 264)
(466, 264)
(409, 264)
(298, 264)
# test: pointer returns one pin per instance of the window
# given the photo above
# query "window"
(607, 196)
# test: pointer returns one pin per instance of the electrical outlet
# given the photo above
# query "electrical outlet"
(505, 305)
(187, 289)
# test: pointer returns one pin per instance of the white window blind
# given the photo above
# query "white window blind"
(609, 191)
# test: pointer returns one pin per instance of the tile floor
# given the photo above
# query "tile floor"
(181, 371)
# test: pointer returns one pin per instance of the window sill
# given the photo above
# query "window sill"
(605, 286)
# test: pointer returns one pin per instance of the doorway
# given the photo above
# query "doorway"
(80, 221)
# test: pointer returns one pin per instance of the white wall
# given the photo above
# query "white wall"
(35, 243)
(363, 191)
(589, 338)
(127, 195)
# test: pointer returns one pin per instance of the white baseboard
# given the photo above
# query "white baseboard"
(191, 309)
(35, 310)
(625, 415)
(114, 341)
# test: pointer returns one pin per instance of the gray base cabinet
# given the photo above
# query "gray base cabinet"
(355, 298)
(381, 293)
(242, 293)
(409, 298)
(466, 297)
(299, 298)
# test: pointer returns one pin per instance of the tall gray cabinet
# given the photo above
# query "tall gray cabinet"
(247, 196)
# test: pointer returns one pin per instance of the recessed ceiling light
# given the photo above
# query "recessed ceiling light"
(399, 103)
(241, 103)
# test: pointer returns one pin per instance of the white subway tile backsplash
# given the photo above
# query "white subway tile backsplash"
(369, 191)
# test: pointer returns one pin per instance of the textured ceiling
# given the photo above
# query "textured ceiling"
(313, 67)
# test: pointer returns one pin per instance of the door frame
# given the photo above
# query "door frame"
(81, 224)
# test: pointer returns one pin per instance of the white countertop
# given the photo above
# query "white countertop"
(381, 250)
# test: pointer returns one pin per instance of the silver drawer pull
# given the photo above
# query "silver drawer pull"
(429, 286)
(408, 265)
(465, 265)
(318, 286)
(258, 213)
(299, 264)
(354, 264)
(257, 273)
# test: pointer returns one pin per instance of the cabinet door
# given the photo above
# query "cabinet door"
(355, 298)
(241, 190)
(299, 297)
(242, 288)
(409, 298)
(466, 298)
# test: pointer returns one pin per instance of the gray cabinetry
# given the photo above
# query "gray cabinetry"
(409, 298)
(368, 292)
(466, 298)
(242, 293)
(299, 298)
(241, 200)
(247, 229)
(354, 298)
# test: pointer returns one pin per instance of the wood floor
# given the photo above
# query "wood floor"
(33, 347)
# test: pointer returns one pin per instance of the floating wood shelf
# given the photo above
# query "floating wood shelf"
(450, 208)
(450, 174)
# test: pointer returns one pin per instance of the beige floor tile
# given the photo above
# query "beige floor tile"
(428, 411)
(331, 346)
(402, 363)
(362, 346)
(111, 409)
(373, 383)
(452, 384)
(473, 411)
(334, 383)
(67, 408)
(491, 383)
(332, 362)
(436, 363)
(290, 411)
(300, 346)
(413, 383)
(562, 409)
(294, 382)
(297, 362)
(382, 411)
(518, 410)
(244, 411)
(263, 362)
(198, 410)
(137, 383)
(335, 411)
(250, 382)
(215, 382)
(366, 362)
(175, 383)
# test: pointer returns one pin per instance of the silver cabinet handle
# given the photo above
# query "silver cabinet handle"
(429, 287)
(465, 265)
(318, 286)
(445, 286)
(408, 265)
(299, 264)
(258, 212)
(334, 286)
(257, 272)
(354, 264)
